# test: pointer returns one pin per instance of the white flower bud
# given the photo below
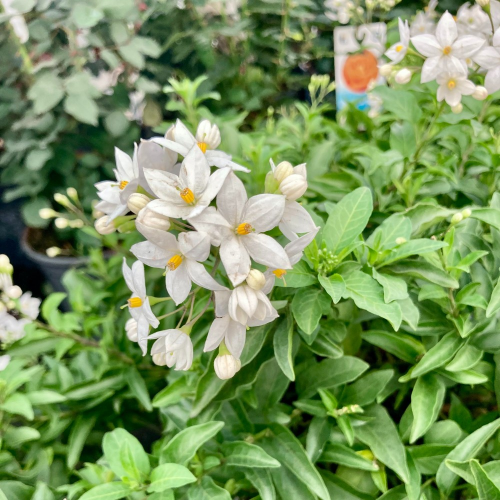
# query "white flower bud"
(480, 93)
(4, 261)
(283, 170)
(400, 240)
(102, 227)
(62, 200)
(256, 280)
(466, 213)
(385, 69)
(208, 135)
(458, 217)
(153, 220)
(14, 292)
(159, 359)
(293, 187)
(403, 76)
(137, 201)
(226, 366)
(458, 108)
(131, 329)
(47, 213)
(72, 193)
(97, 214)
(61, 223)
(53, 252)
(483, 3)
(76, 223)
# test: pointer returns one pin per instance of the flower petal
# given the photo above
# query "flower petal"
(195, 172)
(149, 315)
(488, 58)
(127, 274)
(231, 199)
(183, 136)
(220, 159)
(124, 165)
(235, 258)
(264, 211)
(210, 221)
(235, 338)
(215, 183)
(492, 81)
(431, 69)
(216, 334)
(446, 30)
(178, 284)
(297, 219)
(295, 248)
(221, 302)
(266, 251)
(427, 45)
(200, 276)
(150, 254)
(165, 185)
(171, 145)
(139, 278)
(195, 245)
(466, 46)
(142, 334)
(168, 209)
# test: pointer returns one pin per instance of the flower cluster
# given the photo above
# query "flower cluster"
(345, 11)
(453, 50)
(192, 215)
(17, 309)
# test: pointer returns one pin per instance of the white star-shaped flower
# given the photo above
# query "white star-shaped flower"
(237, 226)
(422, 25)
(398, 51)
(189, 193)
(452, 86)
(172, 348)
(472, 20)
(181, 259)
(207, 140)
(446, 51)
(138, 304)
(489, 59)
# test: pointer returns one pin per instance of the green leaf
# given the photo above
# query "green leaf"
(401, 345)
(402, 103)
(412, 247)
(438, 355)
(333, 285)
(37, 158)
(173, 393)
(340, 454)
(18, 404)
(286, 448)
(42, 492)
(467, 357)
(381, 435)
(307, 308)
(427, 399)
(15, 436)
(183, 446)
(46, 92)
(125, 455)
(283, 346)
(486, 488)
(369, 295)
(138, 388)
(366, 389)
(329, 373)
(288, 485)
(83, 108)
(340, 490)
(45, 397)
(394, 227)
(262, 481)
(348, 219)
(85, 16)
(298, 277)
(15, 490)
(208, 490)
(403, 138)
(94, 389)
(494, 304)
(464, 451)
(462, 469)
(487, 215)
(394, 288)
(77, 438)
(169, 476)
(425, 271)
(108, 491)
(317, 435)
(243, 454)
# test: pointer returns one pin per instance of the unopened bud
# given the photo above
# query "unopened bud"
(483, 3)
(47, 213)
(283, 170)
(400, 240)
(226, 366)
(14, 292)
(481, 93)
(97, 214)
(153, 220)
(466, 213)
(458, 108)
(102, 227)
(53, 252)
(62, 200)
(256, 280)
(403, 76)
(4, 261)
(293, 187)
(131, 329)
(385, 69)
(76, 223)
(208, 135)
(61, 223)
(458, 217)
(137, 201)
(72, 193)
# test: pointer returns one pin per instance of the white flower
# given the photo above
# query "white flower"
(473, 21)
(181, 260)
(231, 332)
(489, 59)
(422, 25)
(294, 250)
(173, 347)
(105, 80)
(131, 329)
(398, 51)
(446, 51)
(207, 140)
(29, 306)
(16, 21)
(138, 304)
(237, 228)
(11, 328)
(247, 305)
(189, 193)
(226, 366)
(4, 362)
(452, 86)
(339, 10)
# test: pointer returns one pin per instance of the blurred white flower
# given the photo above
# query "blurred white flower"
(422, 25)
(397, 52)
(339, 10)
(16, 20)
(452, 86)
(29, 306)
(472, 20)
(489, 59)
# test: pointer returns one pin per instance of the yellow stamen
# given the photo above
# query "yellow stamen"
(399, 48)
(123, 184)
(135, 302)
(174, 262)
(452, 84)
(279, 273)
(244, 228)
(447, 50)
(187, 195)
(203, 146)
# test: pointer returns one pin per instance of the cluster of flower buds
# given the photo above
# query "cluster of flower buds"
(345, 11)
(455, 51)
(17, 309)
(191, 215)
